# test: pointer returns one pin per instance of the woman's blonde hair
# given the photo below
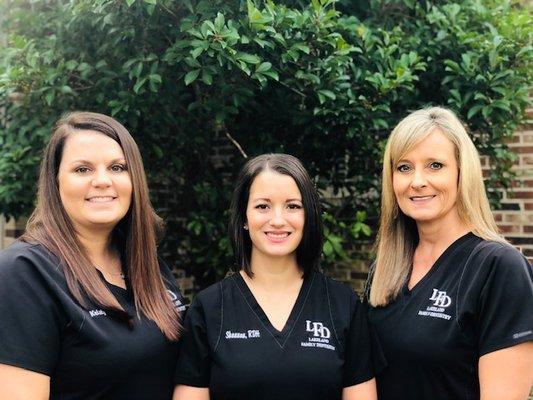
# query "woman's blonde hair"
(398, 235)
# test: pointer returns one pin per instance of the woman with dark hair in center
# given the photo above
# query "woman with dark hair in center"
(88, 310)
(277, 328)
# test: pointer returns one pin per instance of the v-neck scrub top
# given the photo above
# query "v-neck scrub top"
(87, 354)
(230, 346)
(477, 298)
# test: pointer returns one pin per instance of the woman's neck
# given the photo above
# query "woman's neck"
(98, 247)
(437, 237)
(275, 271)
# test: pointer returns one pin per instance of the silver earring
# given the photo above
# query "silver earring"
(245, 227)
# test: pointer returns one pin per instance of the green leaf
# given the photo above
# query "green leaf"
(139, 84)
(474, 110)
(248, 58)
(219, 22)
(197, 51)
(130, 2)
(263, 67)
(272, 74)
(155, 78)
(207, 78)
(191, 76)
(327, 93)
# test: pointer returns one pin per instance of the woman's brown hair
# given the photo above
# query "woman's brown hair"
(134, 236)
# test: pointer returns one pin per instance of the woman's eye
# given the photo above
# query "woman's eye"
(118, 168)
(294, 206)
(82, 170)
(435, 165)
(403, 168)
(261, 206)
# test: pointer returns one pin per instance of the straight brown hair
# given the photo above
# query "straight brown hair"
(134, 236)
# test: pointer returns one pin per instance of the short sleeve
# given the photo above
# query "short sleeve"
(31, 322)
(506, 302)
(364, 358)
(194, 360)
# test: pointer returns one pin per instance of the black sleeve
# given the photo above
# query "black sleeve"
(194, 361)
(31, 322)
(364, 358)
(505, 315)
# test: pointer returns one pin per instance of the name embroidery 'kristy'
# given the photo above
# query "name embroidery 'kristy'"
(321, 336)
(441, 301)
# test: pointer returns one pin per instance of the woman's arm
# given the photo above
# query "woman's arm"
(361, 391)
(182, 392)
(507, 373)
(22, 384)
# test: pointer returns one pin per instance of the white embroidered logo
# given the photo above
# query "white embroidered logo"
(440, 302)
(321, 336)
(440, 299)
(318, 329)
(176, 301)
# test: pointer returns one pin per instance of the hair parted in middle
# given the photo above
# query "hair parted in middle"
(310, 248)
(398, 235)
(135, 236)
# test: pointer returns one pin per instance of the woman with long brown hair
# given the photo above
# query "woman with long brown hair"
(88, 310)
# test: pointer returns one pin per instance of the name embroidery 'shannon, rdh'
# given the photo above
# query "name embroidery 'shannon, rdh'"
(321, 336)
(250, 334)
(441, 301)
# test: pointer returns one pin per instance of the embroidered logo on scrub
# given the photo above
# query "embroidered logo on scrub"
(178, 305)
(321, 335)
(441, 301)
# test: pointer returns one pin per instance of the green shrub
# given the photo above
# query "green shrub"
(323, 80)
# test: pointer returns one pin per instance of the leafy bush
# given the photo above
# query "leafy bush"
(201, 84)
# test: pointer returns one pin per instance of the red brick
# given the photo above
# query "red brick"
(509, 228)
(514, 218)
(517, 194)
(528, 206)
(528, 229)
(497, 217)
(513, 139)
(523, 149)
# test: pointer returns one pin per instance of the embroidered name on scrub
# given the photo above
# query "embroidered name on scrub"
(440, 302)
(250, 334)
(96, 313)
(321, 335)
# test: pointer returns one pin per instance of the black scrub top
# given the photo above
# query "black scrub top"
(477, 298)
(230, 346)
(87, 354)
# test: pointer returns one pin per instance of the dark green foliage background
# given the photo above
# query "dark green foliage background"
(323, 80)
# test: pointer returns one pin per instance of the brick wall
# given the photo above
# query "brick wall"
(515, 218)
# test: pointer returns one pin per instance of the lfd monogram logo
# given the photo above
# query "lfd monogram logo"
(440, 299)
(318, 329)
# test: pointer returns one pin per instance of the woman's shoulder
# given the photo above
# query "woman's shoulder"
(490, 253)
(23, 256)
(337, 290)
(495, 261)
(211, 296)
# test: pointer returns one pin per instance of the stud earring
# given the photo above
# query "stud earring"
(245, 227)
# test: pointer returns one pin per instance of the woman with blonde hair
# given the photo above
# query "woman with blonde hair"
(88, 310)
(451, 300)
